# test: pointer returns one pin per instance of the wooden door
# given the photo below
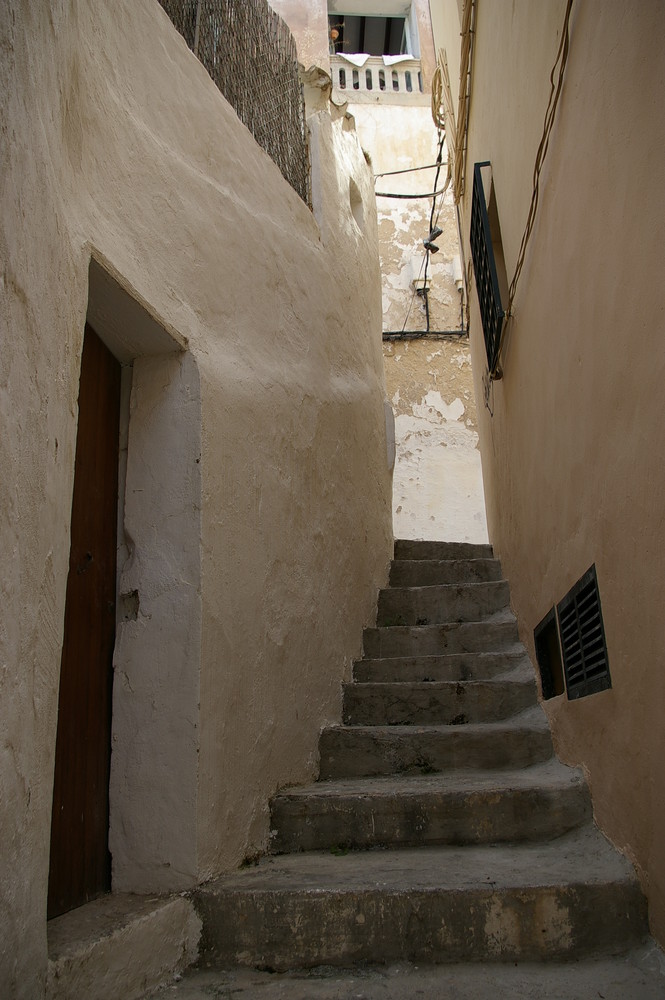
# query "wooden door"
(80, 867)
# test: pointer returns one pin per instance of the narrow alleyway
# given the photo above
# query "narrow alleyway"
(442, 829)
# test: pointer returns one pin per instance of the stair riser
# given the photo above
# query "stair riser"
(432, 640)
(352, 753)
(428, 573)
(300, 929)
(455, 667)
(433, 704)
(440, 551)
(429, 605)
(358, 821)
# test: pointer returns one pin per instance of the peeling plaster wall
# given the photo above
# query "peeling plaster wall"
(117, 143)
(438, 491)
(437, 483)
(572, 449)
(437, 486)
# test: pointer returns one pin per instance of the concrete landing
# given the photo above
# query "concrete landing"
(120, 945)
(639, 975)
(522, 902)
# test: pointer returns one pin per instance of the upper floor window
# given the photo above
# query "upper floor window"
(372, 27)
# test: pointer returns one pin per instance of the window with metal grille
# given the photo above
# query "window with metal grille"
(582, 634)
(484, 266)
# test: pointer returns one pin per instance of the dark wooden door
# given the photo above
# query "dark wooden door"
(80, 867)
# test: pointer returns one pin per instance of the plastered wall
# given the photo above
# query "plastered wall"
(255, 430)
(437, 484)
(570, 437)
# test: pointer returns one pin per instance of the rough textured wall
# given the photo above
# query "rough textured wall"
(437, 486)
(572, 454)
(118, 144)
(437, 482)
(309, 25)
(438, 491)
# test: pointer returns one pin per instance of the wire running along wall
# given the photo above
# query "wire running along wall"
(250, 54)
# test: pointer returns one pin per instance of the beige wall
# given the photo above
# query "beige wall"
(257, 511)
(308, 22)
(437, 486)
(572, 454)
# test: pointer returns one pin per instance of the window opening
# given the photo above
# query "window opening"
(548, 655)
(375, 35)
(488, 261)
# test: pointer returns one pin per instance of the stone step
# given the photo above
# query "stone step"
(638, 974)
(430, 572)
(460, 807)
(566, 898)
(448, 667)
(468, 602)
(119, 945)
(436, 702)
(407, 548)
(492, 634)
(361, 751)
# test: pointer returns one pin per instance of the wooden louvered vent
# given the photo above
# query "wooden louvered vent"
(582, 635)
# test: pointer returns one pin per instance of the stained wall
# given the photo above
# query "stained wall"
(256, 515)
(570, 437)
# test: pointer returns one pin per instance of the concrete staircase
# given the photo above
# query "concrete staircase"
(442, 829)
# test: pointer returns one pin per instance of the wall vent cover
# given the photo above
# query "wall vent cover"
(582, 635)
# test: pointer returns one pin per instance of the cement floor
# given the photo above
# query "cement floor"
(637, 976)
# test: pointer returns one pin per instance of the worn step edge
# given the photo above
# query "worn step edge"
(564, 899)
(431, 572)
(442, 667)
(436, 702)
(416, 549)
(441, 603)
(355, 751)
(544, 801)
(488, 635)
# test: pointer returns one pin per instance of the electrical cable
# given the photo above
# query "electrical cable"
(415, 289)
(555, 93)
(428, 194)
(406, 170)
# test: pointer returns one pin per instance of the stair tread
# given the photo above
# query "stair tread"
(530, 718)
(470, 585)
(582, 857)
(495, 618)
(551, 773)
(514, 651)
(518, 677)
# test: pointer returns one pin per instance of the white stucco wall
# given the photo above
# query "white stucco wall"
(263, 530)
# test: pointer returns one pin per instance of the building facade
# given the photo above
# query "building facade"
(570, 412)
(157, 268)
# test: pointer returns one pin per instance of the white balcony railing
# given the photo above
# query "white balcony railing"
(375, 78)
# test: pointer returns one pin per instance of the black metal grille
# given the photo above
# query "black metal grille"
(582, 634)
(484, 267)
(250, 54)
